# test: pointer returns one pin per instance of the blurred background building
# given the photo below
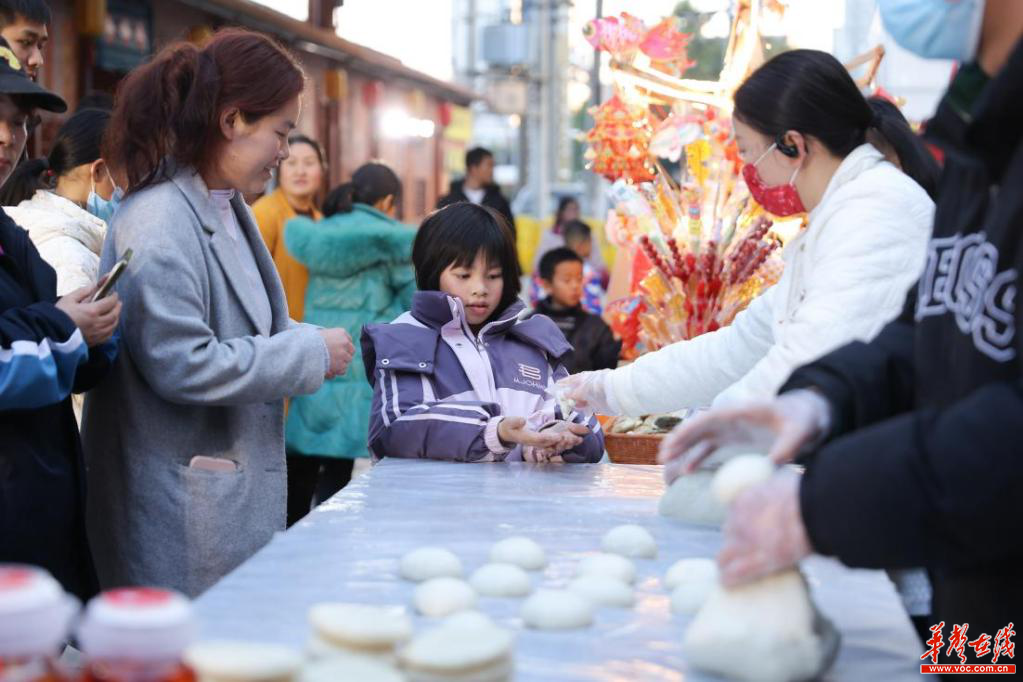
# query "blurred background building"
(416, 82)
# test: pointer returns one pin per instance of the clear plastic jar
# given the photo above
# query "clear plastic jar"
(137, 635)
(35, 615)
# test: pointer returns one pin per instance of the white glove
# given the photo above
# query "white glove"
(589, 391)
(783, 426)
(764, 532)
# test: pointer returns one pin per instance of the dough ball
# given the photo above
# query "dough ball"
(230, 660)
(611, 565)
(430, 562)
(522, 552)
(604, 590)
(557, 610)
(501, 580)
(630, 541)
(767, 630)
(464, 647)
(443, 596)
(470, 620)
(690, 500)
(350, 668)
(740, 473)
(691, 570)
(690, 595)
(359, 624)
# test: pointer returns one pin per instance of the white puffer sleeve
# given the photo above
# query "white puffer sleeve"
(864, 257)
(691, 373)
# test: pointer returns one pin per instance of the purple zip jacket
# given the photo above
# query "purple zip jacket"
(439, 392)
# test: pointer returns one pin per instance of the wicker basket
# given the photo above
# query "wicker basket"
(629, 448)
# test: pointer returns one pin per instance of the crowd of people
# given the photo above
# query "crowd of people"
(248, 356)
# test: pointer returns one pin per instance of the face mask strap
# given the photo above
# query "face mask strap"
(766, 152)
(792, 180)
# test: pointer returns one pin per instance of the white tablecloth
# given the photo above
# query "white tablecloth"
(348, 550)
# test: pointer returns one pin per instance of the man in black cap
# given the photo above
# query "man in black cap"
(49, 348)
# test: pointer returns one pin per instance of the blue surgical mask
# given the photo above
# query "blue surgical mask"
(935, 29)
(104, 209)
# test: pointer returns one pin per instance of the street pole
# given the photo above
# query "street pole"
(546, 120)
(593, 182)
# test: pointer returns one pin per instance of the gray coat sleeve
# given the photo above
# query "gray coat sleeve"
(166, 298)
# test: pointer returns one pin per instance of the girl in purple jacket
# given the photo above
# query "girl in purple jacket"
(463, 376)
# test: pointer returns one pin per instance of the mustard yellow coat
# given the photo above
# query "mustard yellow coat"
(272, 213)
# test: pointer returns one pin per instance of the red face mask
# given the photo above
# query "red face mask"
(781, 200)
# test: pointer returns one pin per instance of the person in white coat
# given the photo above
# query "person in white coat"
(801, 125)
(60, 200)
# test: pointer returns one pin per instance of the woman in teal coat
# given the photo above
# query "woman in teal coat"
(360, 272)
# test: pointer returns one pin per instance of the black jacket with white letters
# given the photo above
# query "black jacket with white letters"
(924, 465)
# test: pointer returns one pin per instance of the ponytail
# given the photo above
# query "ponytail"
(369, 184)
(889, 127)
(341, 199)
(77, 143)
(170, 108)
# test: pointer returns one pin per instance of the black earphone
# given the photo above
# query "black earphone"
(789, 150)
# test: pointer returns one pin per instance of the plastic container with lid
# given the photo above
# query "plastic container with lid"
(137, 635)
(227, 661)
(35, 616)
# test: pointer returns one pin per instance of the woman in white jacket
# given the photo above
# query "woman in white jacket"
(62, 200)
(801, 125)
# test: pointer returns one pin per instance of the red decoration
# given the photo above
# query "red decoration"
(620, 141)
(444, 114)
(371, 93)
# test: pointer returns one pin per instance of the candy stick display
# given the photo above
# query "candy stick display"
(702, 249)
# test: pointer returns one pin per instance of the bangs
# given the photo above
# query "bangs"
(490, 242)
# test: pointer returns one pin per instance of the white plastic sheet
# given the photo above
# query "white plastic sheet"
(348, 550)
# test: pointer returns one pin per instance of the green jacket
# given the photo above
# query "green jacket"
(360, 272)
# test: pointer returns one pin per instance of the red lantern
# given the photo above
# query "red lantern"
(371, 93)
(444, 114)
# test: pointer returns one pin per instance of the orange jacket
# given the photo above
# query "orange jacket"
(272, 214)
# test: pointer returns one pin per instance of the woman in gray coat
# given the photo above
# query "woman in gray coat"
(184, 442)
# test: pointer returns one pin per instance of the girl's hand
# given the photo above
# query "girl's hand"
(513, 430)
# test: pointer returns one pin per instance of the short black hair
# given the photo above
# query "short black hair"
(454, 235)
(33, 10)
(576, 231)
(555, 257)
(476, 156)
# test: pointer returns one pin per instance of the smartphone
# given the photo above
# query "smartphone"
(112, 277)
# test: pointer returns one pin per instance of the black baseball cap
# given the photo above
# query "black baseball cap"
(14, 81)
